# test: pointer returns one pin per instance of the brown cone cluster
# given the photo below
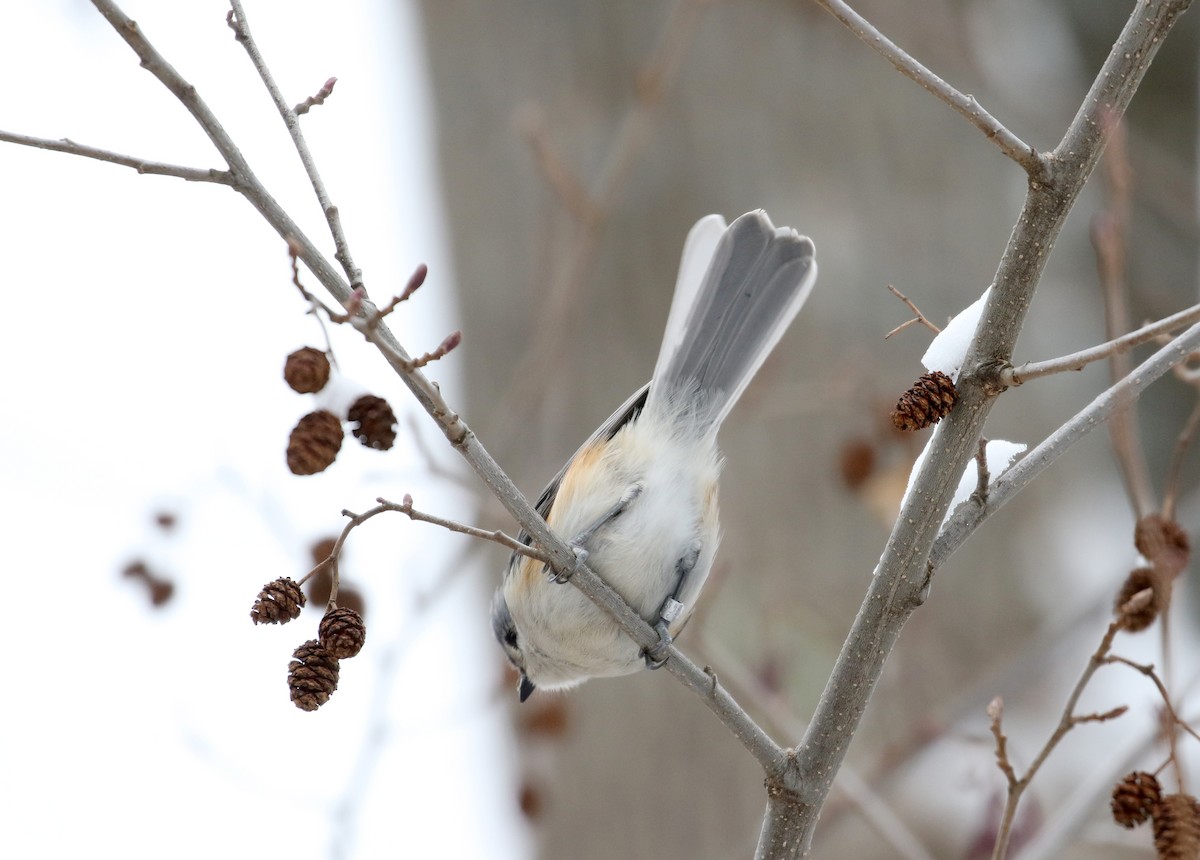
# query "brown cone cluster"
(928, 401)
(1139, 797)
(306, 370)
(279, 602)
(1167, 548)
(375, 423)
(314, 443)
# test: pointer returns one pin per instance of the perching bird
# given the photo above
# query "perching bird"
(638, 502)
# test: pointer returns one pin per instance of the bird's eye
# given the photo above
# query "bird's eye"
(510, 637)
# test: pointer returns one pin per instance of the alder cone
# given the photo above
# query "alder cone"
(306, 370)
(312, 675)
(1139, 580)
(1135, 798)
(928, 401)
(375, 422)
(279, 602)
(342, 632)
(314, 443)
(1177, 828)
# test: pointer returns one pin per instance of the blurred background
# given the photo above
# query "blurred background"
(547, 159)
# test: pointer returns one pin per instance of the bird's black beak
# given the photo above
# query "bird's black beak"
(526, 687)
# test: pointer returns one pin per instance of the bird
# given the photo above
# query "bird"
(638, 502)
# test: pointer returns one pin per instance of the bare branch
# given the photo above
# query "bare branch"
(918, 317)
(1148, 670)
(967, 518)
(237, 22)
(141, 165)
(1175, 471)
(1066, 722)
(899, 584)
(966, 105)
(1109, 233)
(1012, 376)
(406, 507)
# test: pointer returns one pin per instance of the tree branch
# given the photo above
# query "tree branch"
(1010, 376)
(966, 105)
(903, 575)
(967, 518)
(141, 165)
(238, 23)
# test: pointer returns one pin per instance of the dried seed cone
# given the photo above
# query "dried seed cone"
(312, 675)
(278, 603)
(929, 401)
(1162, 542)
(342, 632)
(375, 422)
(314, 443)
(1177, 828)
(1134, 798)
(306, 370)
(1140, 617)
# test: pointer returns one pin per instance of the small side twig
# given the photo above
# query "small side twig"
(964, 104)
(1068, 721)
(406, 507)
(918, 317)
(1013, 376)
(1109, 233)
(414, 283)
(452, 340)
(1178, 455)
(315, 304)
(141, 165)
(317, 99)
(236, 19)
(983, 476)
(495, 536)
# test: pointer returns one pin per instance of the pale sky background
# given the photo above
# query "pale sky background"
(147, 325)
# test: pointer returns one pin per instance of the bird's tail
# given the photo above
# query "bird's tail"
(739, 287)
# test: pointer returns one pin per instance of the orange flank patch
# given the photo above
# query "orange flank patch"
(585, 464)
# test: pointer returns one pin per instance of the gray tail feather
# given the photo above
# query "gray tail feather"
(755, 285)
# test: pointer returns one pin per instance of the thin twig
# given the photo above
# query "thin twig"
(966, 105)
(238, 23)
(967, 518)
(1012, 376)
(1176, 722)
(592, 204)
(141, 165)
(315, 306)
(495, 536)
(414, 283)
(982, 476)
(317, 99)
(918, 317)
(1178, 456)
(1068, 721)
(1109, 232)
